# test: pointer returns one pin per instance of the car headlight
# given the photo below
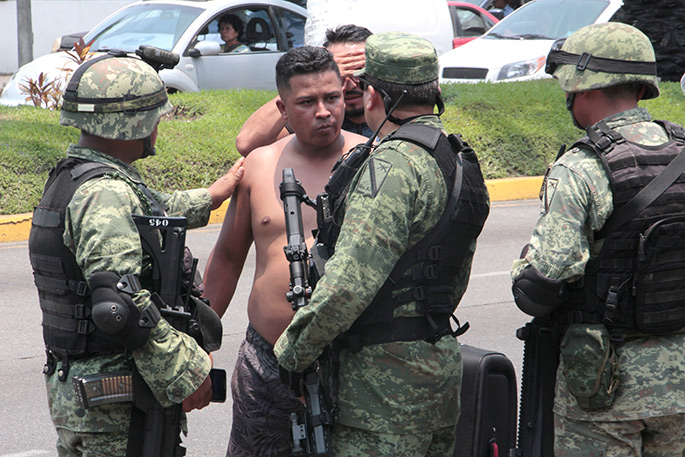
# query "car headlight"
(523, 68)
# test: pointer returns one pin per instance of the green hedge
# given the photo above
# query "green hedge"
(516, 129)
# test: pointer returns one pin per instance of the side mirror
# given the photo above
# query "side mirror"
(498, 13)
(205, 48)
(66, 42)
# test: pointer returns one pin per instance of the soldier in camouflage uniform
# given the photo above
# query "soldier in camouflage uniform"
(117, 105)
(396, 398)
(636, 407)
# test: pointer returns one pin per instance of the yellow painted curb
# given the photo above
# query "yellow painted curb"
(17, 227)
(524, 188)
(217, 216)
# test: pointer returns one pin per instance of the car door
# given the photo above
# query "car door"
(268, 32)
(468, 24)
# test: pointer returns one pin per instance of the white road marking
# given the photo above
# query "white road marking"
(31, 453)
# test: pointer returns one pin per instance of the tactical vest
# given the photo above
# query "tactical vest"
(425, 273)
(68, 331)
(636, 285)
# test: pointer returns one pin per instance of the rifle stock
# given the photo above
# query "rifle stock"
(315, 432)
(540, 362)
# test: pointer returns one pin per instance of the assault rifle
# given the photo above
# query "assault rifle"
(311, 438)
(540, 362)
(156, 431)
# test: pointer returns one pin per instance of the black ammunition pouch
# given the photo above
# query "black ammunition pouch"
(659, 276)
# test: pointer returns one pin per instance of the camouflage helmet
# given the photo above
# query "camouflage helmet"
(604, 55)
(400, 58)
(116, 97)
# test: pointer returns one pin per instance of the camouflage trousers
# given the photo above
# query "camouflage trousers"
(354, 442)
(82, 444)
(650, 437)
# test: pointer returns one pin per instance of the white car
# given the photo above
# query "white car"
(189, 28)
(516, 48)
(430, 19)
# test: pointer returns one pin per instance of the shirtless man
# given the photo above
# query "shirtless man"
(266, 125)
(311, 101)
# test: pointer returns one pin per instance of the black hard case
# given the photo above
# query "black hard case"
(487, 423)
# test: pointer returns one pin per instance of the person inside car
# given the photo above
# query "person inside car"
(231, 28)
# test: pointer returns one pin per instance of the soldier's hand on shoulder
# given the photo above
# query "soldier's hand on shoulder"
(224, 187)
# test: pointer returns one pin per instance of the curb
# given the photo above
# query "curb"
(17, 227)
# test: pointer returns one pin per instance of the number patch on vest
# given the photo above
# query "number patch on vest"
(374, 176)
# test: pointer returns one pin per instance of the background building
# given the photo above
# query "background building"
(51, 19)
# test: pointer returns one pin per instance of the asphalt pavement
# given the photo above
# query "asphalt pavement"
(25, 426)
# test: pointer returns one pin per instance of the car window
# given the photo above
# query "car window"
(551, 19)
(472, 23)
(258, 33)
(292, 25)
(150, 24)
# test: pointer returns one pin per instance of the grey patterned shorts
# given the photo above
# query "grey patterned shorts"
(261, 402)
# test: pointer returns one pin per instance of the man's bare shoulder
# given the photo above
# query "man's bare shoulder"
(266, 153)
(262, 160)
(352, 140)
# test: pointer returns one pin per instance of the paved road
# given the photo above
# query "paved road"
(25, 427)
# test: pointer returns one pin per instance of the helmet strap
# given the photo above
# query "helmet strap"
(438, 101)
(570, 98)
(148, 149)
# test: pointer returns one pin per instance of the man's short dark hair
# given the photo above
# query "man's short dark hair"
(235, 22)
(417, 94)
(622, 91)
(303, 61)
(348, 33)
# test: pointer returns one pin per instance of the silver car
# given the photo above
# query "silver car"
(191, 29)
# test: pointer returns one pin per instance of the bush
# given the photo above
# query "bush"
(515, 128)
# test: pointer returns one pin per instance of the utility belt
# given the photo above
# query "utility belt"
(426, 328)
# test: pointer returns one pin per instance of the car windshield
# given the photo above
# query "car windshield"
(155, 25)
(548, 19)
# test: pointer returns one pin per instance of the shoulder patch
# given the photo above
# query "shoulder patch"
(550, 187)
(373, 177)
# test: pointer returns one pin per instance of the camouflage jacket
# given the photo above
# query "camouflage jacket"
(103, 237)
(398, 387)
(576, 202)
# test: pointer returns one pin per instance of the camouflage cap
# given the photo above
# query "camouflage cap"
(400, 58)
(119, 98)
(611, 40)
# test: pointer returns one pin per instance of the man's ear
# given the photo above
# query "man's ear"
(281, 108)
(373, 99)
